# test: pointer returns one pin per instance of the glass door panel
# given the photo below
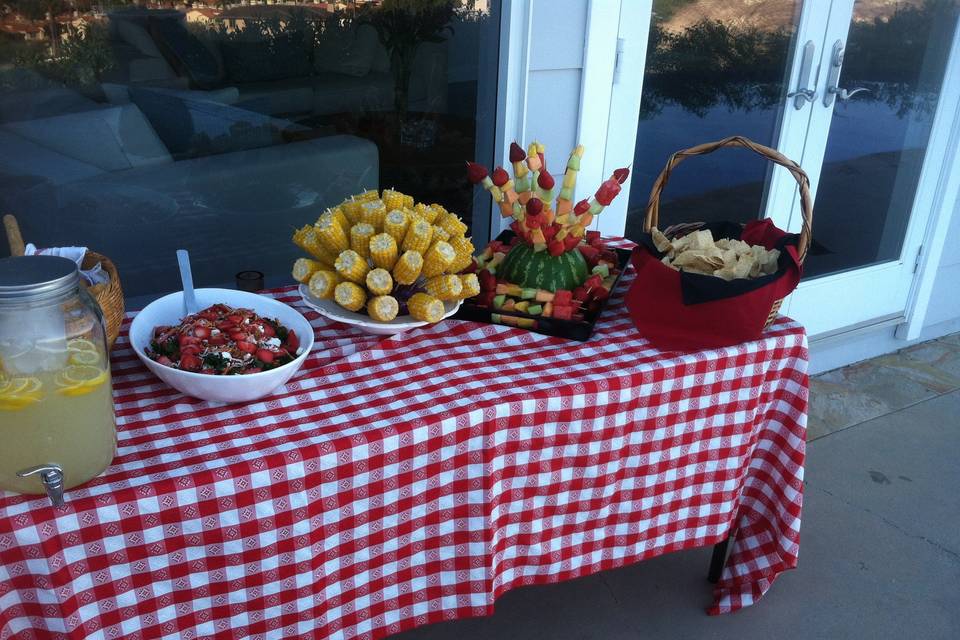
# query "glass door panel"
(896, 53)
(713, 69)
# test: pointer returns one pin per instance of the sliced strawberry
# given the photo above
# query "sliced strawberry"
(190, 362)
(265, 356)
(217, 340)
(246, 347)
(164, 360)
(185, 339)
(235, 319)
(268, 330)
(189, 350)
(201, 332)
(292, 342)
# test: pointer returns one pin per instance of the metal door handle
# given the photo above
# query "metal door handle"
(833, 78)
(804, 93)
(843, 95)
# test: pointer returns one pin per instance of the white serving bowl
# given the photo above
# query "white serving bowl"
(335, 312)
(168, 310)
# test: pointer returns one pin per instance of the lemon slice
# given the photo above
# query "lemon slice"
(84, 357)
(17, 403)
(21, 386)
(80, 344)
(77, 380)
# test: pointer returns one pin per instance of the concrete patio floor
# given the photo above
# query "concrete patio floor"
(880, 539)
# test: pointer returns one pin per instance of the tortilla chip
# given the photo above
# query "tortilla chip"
(743, 267)
(660, 241)
(726, 273)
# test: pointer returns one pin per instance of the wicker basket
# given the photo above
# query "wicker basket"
(108, 295)
(806, 202)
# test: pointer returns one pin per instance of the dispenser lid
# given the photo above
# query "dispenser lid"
(33, 277)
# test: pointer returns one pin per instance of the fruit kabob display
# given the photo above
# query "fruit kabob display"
(552, 267)
(386, 256)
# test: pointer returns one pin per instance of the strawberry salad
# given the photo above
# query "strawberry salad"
(221, 340)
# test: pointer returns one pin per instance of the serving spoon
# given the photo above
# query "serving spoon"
(186, 277)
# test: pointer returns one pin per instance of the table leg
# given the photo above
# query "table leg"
(717, 560)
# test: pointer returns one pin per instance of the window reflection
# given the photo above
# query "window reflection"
(219, 126)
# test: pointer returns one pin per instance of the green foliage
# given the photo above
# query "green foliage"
(402, 26)
(713, 63)
(80, 61)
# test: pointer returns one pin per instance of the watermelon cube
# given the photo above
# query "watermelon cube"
(535, 309)
(593, 281)
(550, 232)
(517, 228)
(484, 299)
(592, 235)
(581, 293)
(499, 300)
(562, 297)
(562, 313)
(571, 242)
(487, 280)
(556, 248)
(590, 254)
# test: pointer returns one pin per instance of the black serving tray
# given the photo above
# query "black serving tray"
(571, 329)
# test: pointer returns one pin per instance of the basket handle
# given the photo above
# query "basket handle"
(806, 202)
(14, 239)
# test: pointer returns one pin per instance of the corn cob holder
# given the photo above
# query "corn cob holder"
(548, 257)
(385, 254)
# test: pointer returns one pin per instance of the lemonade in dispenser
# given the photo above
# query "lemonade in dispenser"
(57, 426)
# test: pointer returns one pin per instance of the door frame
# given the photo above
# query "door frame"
(936, 196)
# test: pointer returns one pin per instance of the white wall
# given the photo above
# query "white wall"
(945, 300)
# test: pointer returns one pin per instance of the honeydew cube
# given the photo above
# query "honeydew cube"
(595, 207)
(499, 300)
(608, 283)
(573, 162)
(535, 309)
(569, 179)
(496, 193)
(528, 294)
(601, 269)
(495, 317)
(566, 193)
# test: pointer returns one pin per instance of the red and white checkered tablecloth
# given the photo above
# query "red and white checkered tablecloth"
(397, 482)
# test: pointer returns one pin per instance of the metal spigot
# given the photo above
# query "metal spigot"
(52, 477)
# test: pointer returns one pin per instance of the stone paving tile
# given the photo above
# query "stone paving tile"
(935, 364)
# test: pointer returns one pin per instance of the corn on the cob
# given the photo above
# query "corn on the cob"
(452, 225)
(392, 199)
(383, 251)
(425, 308)
(383, 308)
(464, 249)
(350, 296)
(418, 236)
(439, 234)
(408, 268)
(352, 266)
(368, 196)
(303, 268)
(446, 287)
(339, 216)
(439, 208)
(396, 224)
(471, 285)
(331, 235)
(360, 235)
(306, 238)
(407, 201)
(379, 282)
(437, 259)
(322, 283)
(373, 213)
(351, 209)
(428, 213)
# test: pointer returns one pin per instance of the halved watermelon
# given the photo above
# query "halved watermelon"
(540, 270)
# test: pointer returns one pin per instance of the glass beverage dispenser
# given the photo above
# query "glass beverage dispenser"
(57, 426)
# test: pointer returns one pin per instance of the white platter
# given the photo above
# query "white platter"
(335, 312)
